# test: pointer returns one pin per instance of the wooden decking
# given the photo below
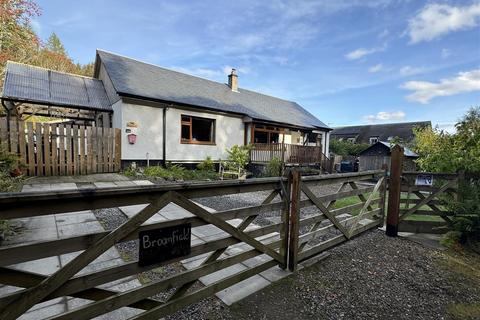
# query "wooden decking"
(289, 154)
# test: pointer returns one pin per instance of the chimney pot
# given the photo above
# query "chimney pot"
(233, 80)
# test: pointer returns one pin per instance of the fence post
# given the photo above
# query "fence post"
(294, 220)
(383, 193)
(285, 230)
(394, 191)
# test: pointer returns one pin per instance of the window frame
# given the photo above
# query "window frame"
(190, 125)
(269, 130)
(372, 138)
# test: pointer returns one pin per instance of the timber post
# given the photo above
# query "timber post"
(383, 193)
(394, 191)
(294, 220)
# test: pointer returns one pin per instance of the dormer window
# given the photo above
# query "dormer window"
(373, 140)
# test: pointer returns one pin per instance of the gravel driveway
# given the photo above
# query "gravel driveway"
(369, 277)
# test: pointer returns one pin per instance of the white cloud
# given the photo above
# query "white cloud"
(228, 69)
(376, 68)
(362, 52)
(424, 91)
(448, 127)
(445, 53)
(410, 71)
(384, 116)
(435, 20)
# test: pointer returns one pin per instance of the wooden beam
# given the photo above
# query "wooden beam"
(394, 191)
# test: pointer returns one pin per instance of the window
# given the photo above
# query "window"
(373, 140)
(312, 137)
(197, 130)
(266, 134)
(352, 140)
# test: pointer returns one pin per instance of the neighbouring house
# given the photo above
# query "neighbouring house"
(165, 115)
(378, 155)
(374, 133)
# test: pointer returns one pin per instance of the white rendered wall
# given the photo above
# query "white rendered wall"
(149, 130)
(229, 131)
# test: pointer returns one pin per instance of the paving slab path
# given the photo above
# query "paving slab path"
(63, 225)
(51, 227)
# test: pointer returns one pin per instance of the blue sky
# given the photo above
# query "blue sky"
(348, 62)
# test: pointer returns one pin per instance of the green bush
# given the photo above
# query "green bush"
(206, 165)
(346, 148)
(466, 209)
(130, 171)
(177, 172)
(8, 162)
(274, 167)
(238, 157)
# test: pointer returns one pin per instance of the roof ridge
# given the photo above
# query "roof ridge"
(190, 75)
(382, 124)
(43, 68)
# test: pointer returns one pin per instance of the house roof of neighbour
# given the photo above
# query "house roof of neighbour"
(402, 130)
(406, 152)
(43, 86)
(138, 79)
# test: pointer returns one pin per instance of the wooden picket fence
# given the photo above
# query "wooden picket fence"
(51, 149)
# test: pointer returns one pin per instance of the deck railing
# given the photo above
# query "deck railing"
(289, 154)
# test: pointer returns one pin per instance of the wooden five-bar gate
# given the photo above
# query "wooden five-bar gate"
(297, 220)
(417, 200)
(51, 149)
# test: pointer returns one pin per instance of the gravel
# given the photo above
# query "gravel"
(369, 277)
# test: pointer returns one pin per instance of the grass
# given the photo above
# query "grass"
(340, 203)
(465, 311)
(465, 262)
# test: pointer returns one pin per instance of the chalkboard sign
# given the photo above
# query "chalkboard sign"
(164, 244)
(424, 180)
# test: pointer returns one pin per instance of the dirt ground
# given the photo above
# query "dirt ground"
(370, 277)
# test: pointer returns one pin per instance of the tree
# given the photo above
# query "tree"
(18, 41)
(346, 148)
(440, 151)
(55, 45)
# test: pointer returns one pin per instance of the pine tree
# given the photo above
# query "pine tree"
(55, 45)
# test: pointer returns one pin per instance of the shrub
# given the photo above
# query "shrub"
(206, 165)
(239, 156)
(346, 148)
(177, 172)
(466, 209)
(8, 162)
(274, 167)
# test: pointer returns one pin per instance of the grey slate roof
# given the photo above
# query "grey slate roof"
(133, 77)
(34, 84)
(362, 134)
(406, 152)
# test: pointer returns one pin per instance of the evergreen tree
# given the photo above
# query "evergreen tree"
(55, 45)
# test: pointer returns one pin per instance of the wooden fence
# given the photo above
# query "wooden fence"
(280, 240)
(419, 194)
(50, 149)
(426, 201)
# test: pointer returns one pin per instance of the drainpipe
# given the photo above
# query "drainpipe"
(164, 140)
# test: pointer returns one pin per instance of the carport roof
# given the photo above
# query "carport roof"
(43, 86)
